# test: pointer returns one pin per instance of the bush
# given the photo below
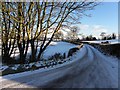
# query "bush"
(12, 71)
(8, 71)
(72, 51)
(34, 67)
(56, 57)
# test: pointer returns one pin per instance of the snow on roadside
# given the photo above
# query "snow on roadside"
(114, 41)
(110, 63)
(15, 67)
(112, 60)
(70, 60)
(2, 68)
(57, 47)
(53, 48)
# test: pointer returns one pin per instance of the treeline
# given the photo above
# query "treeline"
(105, 37)
(27, 25)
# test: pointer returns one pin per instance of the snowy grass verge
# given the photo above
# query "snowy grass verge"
(55, 54)
(68, 61)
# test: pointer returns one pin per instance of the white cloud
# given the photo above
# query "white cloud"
(95, 28)
(84, 27)
(99, 28)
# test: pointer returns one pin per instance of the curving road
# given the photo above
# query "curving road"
(92, 70)
(97, 73)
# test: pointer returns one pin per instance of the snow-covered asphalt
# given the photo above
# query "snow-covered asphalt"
(97, 73)
(91, 70)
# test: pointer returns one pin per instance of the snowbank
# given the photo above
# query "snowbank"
(54, 72)
(114, 41)
(57, 47)
(77, 56)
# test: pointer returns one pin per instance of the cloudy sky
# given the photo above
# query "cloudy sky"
(104, 18)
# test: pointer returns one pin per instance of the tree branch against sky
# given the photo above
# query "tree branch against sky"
(31, 19)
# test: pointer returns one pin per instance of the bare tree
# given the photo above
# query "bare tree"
(73, 33)
(102, 34)
(21, 19)
(54, 15)
(58, 35)
(113, 36)
(30, 20)
(8, 34)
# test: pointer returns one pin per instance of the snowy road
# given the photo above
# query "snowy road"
(98, 74)
(91, 70)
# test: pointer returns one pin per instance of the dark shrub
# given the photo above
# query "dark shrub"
(56, 56)
(64, 56)
(106, 42)
(8, 71)
(72, 50)
(34, 67)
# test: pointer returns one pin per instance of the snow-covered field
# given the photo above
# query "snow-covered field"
(88, 68)
(52, 49)
(57, 47)
(114, 41)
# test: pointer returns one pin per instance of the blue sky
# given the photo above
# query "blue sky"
(104, 18)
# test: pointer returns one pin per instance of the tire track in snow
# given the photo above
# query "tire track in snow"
(108, 76)
(69, 80)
